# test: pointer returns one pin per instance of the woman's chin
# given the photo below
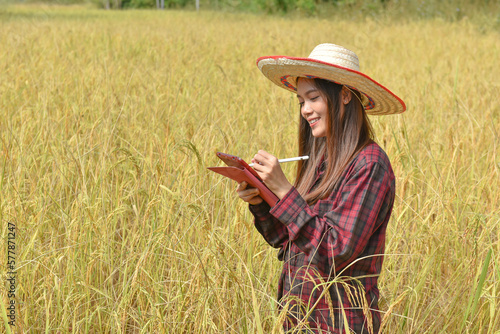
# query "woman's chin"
(318, 134)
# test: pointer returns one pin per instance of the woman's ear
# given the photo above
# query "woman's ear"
(345, 95)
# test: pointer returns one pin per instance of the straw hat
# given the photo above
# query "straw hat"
(334, 63)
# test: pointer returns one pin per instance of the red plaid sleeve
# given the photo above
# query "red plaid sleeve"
(350, 216)
(273, 231)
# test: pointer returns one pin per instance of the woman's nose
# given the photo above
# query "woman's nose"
(306, 108)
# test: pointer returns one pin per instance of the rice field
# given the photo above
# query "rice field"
(108, 121)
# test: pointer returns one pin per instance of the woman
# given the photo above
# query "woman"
(330, 224)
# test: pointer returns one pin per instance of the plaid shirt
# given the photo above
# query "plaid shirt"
(337, 243)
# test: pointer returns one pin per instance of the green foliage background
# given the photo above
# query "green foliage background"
(447, 9)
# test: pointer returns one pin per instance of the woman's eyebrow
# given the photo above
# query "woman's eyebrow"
(308, 92)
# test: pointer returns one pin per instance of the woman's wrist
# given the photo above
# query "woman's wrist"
(283, 191)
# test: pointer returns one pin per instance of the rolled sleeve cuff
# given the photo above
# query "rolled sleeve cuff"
(289, 207)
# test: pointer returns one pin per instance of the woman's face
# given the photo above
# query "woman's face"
(313, 106)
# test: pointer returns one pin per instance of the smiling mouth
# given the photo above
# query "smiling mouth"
(313, 121)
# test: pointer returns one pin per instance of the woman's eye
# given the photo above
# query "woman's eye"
(314, 98)
(301, 104)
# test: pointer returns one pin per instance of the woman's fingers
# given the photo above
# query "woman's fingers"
(243, 192)
(269, 170)
(249, 195)
(263, 158)
(241, 186)
(266, 165)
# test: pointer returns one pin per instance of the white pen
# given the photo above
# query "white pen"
(305, 157)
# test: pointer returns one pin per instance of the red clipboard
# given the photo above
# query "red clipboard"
(240, 171)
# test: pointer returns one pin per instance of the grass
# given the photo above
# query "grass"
(109, 120)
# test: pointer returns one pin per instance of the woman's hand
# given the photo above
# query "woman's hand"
(249, 195)
(269, 170)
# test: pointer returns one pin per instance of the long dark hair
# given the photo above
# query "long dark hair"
(347, 134)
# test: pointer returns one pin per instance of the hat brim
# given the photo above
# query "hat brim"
(376, 99)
